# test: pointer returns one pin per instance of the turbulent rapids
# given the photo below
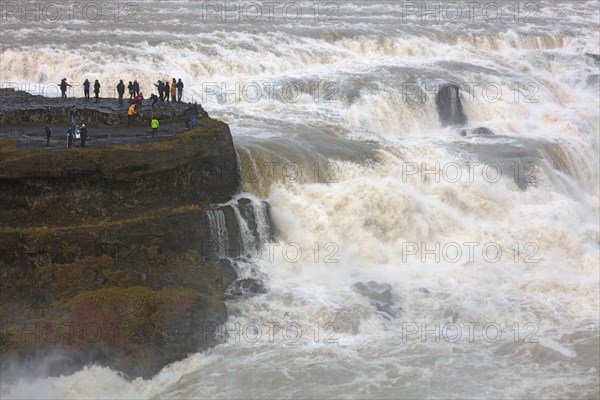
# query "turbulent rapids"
(432, 184)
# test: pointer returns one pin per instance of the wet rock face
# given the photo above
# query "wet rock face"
(248, 286)
(595, 57)
(449, 107)
(228, 272)
(380, 295)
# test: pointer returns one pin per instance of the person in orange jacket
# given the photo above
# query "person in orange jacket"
(174, 91)
(131, 114)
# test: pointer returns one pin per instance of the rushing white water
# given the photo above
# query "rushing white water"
(493, 237)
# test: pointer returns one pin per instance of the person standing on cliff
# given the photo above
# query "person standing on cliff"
(154, 99)
(174, 91)
(97, 90)
(131, 90)
(160, 86)
(138, 101)
(48, 117)
(84, 134)
(136, 88)
(194, 115)
(154, 124)
(86, 90)
(179, 90)
(167, 91)
(63, 88)
(121, 91)
(187, 116)
(131, 114)
(70, 137)
(73, 115)
(48, 135)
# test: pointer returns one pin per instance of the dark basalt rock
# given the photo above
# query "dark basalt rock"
(248, 285)
(380, 295)
(228, 272)
(595, 57)
(111, 237)
(593, 81)
(449, 107)
(477, 132)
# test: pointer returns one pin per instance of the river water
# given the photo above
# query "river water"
(490, 243)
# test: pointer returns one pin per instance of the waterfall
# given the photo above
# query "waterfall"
(239, 228)
(218, 231)
(254, 226)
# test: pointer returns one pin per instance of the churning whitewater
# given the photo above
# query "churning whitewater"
(489, 243)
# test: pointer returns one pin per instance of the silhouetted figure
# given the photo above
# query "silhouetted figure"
(73, 116)
(86, 90)
(48, 117)
(161, 87)
(70, 137)
(97, 90)
(63, 88)
(121, 91)
(154, 99)
(84, 135)
(136, 88)
(131, 89)
(167, 91)
(179, 90)
(187, 116)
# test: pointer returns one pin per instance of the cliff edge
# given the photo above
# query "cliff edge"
(104, 249)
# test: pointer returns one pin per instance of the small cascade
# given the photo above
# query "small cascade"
(255, 227)
(239, 229)
(218, 231)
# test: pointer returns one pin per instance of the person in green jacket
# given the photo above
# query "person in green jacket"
(154, 124)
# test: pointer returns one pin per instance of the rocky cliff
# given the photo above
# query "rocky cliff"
(107, 254)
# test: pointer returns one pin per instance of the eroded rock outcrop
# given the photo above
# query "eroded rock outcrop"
(449, 106)
(104, 250)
